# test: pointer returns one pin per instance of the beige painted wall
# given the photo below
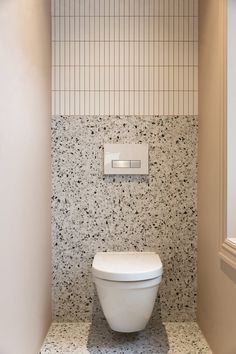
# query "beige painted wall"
(216, 280)
(25, 265)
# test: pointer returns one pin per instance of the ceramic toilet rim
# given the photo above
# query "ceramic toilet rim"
(128, 284)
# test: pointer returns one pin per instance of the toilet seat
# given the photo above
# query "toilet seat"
(127, 266)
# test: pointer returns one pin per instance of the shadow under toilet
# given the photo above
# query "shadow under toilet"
(101, 339)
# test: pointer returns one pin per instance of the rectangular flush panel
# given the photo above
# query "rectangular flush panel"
(125, 159)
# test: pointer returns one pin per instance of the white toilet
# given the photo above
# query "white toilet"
(127, 285)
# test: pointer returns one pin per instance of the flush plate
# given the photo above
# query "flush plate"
(125, 159)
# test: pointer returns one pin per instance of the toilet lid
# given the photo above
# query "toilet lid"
(127, 266)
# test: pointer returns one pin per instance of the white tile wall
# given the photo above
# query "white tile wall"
(125, 57)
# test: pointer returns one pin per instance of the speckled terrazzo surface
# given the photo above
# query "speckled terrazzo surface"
(93, 213)
(83, 338)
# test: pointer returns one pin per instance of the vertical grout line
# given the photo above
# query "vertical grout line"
(192, 55)
(160, 58)
(69, 63)
(197, 61)
(139, 54)
(183, 61)
(62, 59)
(170, 45)
(124, 38)
(74, 93)
(197, 64)
(89, 68)
(114, 55)
(84, 60)
(99, 53)
(188, 69)
(134, 68)
(159, 67)
(171, 93)
(55, 52)
(64, 54)
(154, 50)
(167, 94)
(59, 71)
(122, 60)
(148, 58)
(119, 60)
(94, 48)
(178, 53)
(129, 68)
(173, 61)
(109, 60)
(52, 58)
(190, 64)
(193, 66)
(164, 58)
(144, 46)
(105, 67)
(143, 43)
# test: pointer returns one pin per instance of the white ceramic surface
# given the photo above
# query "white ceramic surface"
(127, 302)
(127, 308)
(127, 266)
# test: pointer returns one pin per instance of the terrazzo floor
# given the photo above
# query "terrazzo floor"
(84, 338)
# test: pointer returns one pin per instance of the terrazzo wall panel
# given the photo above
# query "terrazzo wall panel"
(93, 212)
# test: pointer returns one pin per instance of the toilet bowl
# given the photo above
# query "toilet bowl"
(127, 285)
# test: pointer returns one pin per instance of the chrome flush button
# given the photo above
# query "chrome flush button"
(120, 163)
(135, 163)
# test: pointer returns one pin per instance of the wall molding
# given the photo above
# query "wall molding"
(227, 249)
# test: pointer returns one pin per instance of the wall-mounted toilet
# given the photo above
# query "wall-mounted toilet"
(127, 285)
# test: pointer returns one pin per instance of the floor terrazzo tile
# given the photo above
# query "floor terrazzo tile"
(164, 338)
